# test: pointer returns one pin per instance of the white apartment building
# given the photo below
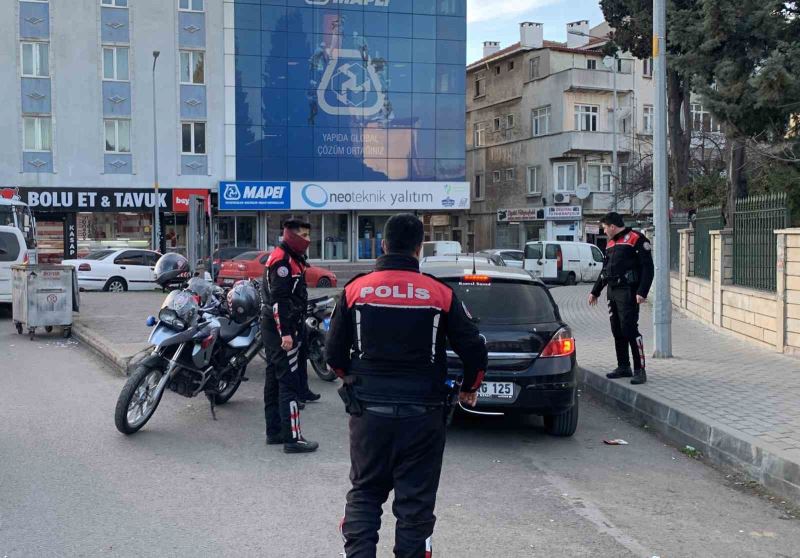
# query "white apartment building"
(540, 123)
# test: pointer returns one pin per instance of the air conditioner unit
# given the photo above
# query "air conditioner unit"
(560, 198)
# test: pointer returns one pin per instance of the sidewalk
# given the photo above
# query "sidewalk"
(113, 324)
(737, 403)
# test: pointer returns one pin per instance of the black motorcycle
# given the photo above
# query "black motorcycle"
(318, 323)
(197, 346)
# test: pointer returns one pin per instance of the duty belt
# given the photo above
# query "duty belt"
(400, 410)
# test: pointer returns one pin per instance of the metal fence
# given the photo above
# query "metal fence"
(707, 219)
(678, 222)
(754, 247)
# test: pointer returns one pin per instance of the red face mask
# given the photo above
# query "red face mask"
(297, 243)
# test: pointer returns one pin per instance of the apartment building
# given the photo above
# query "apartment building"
(540, 137)
(77, 81)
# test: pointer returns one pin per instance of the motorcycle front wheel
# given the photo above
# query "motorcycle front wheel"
(139, 398)
(316, 354)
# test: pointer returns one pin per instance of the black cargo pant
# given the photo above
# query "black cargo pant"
(400, 453)
(624, 313)
(281, 396)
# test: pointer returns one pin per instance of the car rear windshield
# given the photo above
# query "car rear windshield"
(99, 255)
(247, 256)
(9, 247)
(505, 302)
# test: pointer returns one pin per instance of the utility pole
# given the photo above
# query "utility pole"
(662, 310)
(156, 208)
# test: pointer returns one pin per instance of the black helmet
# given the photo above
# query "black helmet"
(172, 269)
(243, 301)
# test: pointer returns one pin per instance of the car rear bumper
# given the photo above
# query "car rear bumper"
(548, 387)
(228, 280)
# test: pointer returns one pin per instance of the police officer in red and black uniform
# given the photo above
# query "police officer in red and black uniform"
(285, 299)
(628, 273)
(387, 341)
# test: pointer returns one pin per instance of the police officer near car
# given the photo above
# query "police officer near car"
(387, 341)
(284, 303)
(628, 274)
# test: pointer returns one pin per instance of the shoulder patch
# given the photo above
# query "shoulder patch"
(283, 271)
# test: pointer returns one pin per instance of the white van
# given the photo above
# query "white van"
(12, 252)
(15, 213)
(563, 262)
(441, 248)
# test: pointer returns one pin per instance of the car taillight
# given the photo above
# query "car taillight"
(241, 267)
(25, 259)
(559, 260)
(84, 267)
(562, 344)
(477, 279)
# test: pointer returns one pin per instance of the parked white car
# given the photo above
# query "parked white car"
(563, 262)
(13, 251)
(441, 248)
(511, 257)
(116, 270)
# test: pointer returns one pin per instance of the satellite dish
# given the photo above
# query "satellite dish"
(582, 191)
(608, 62)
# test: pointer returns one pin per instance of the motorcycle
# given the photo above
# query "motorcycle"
(318, 322)
(194, 349)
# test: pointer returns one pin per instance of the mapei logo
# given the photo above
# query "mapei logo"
(350, 85)
(232, 192)
(378, 3)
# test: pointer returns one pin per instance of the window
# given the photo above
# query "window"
(115, 63)
(533, 251)
(647, 67)
(566, 177)
(480, 86)
(534, 181)
(497, 70)
(37, 133)
(591, 64)
(192, 66)
(194, 138)
(130, 258)
(478, 187)
(702, 119)
(35, 60)
(599, 177)
(497, 125)
(118, 136)
(191, 5)
(479, 139)
(534, 67)
(509, 174)
(510, 121)
(10, 247)
(597, 255)
(586, 117)
(541, 121)
(647, 120)
(496, 177)
(511, 66)
(115, 3)
(551, 251)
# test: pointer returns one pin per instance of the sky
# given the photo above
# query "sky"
(498, 20)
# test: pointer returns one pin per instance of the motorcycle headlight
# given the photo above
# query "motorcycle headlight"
(167, 315)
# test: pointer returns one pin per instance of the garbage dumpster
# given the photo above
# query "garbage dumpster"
(43, 296)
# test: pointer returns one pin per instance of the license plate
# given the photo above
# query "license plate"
(496, 390)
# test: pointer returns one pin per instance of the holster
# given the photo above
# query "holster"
(347, 392)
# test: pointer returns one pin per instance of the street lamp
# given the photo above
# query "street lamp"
(156, 224)
(662, 307)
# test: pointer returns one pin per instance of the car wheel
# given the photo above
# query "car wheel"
(324, 283)
(563, 425)
(116, 285)
(571, 279)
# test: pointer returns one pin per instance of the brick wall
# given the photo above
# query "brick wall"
(792, 293)
(750, 314)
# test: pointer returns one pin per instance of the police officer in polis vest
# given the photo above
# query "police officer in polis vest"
(387, 341)
(285, 299)
(628, 273)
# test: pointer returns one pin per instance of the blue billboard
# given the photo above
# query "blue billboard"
(350, 90)
(254, 196)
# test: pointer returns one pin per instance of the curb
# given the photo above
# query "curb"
(721, 444)
(98, 345)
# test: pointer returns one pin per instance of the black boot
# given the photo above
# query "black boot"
(639, 377)
(620, 372)
(275, 439)
(300, 445)
(310, 396)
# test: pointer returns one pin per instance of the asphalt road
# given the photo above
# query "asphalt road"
(71, 485)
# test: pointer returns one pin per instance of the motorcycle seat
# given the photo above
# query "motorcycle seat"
(230, 330)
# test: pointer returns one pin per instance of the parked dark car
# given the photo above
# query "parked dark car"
(532, 362)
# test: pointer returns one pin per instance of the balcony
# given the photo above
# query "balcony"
(576, 143)
(599, 202)
(581, 80)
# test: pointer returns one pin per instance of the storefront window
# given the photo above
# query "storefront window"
(370, 234)
(246, 230)
(175, 231)
(50, 239)
(113, 230)
(336, 237)
(226, 231)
